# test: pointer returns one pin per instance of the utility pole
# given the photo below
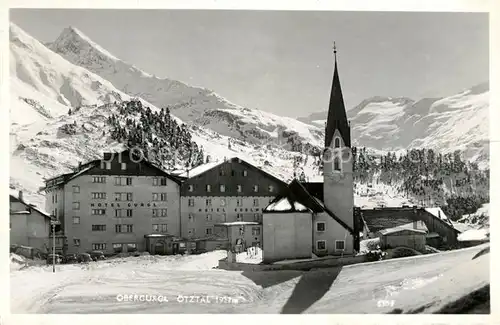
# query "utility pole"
(54, 223)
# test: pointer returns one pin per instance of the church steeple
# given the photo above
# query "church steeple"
(337, 117)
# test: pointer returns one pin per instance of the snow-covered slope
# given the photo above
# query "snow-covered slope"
(200, 106)
(44, 86)
(446, 124)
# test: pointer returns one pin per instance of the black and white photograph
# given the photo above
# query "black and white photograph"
(191, 161)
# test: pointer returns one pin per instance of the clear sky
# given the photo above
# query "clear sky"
(282, 61)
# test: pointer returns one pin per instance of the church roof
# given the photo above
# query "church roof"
(337, 116)
(296, 198)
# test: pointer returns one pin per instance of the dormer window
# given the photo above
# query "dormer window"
(190, 188)
(124, 166)
(209, 188)
(245, 173)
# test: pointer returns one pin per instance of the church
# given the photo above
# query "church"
(317, 219)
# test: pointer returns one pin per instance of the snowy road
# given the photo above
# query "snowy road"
(365, 288)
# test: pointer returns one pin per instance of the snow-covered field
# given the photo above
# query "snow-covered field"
(378, 287)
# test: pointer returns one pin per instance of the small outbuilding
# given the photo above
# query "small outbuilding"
(402, 236)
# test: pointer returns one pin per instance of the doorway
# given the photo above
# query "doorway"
(175, 248)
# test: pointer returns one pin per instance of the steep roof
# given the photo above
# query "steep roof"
(15, 198)
(337, 116)
(88, 166)
(196, 171)
(296, 195)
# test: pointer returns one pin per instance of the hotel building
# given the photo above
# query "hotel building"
(115, 204)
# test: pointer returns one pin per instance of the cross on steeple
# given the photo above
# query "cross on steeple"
(335, 51)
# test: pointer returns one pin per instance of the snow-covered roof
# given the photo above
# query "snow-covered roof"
(285, 204)
(20, 212)
(399, 229)
(200, 169)
(474, 234)
(238, 223)
(437, 212)
(15, 194)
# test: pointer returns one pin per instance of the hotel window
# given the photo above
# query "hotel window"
(108, 165)
(232, 173)
(320, 226)
(190, 188)
(98, 179)
(155, 181)
(129, 213)
(163, 212)
(76, 242)
(209, 217)
(222, 188)
(123, 228)
(337, 143)
(76, 189)
(321, 245)
(256, 188)
(163, 196)
(238, 188)
(208, 188)
(118, 213)
(270, 188)
(76, 220)
(255, 231)
(256, 217)
(221, 172)
(156, 213)
(222, 202)
(76, 205)
(98, 212)
(124, 166)
(208, 231)
(98, 227)
(98, 195)
(336, 163)
(99, 247)
(191, 202)
(56, 197)
(129, 180)
(103, 164)
(239, 216)
(208, 202)
(156, 228)
(117, 248)
(339, 245)
(242, 231)
(255, 202)
(155, 196)
(163, 181)
(245, 173)
(129, 196)
(164, 227)
(191, 217)
(118, 181)
(239, 202)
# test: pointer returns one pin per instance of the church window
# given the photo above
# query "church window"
(340, 245)
(321, 245)
(337, 143)
(336, 164)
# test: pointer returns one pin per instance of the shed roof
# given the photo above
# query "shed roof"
(395, 230)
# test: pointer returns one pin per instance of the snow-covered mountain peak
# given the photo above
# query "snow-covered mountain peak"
(193, 105)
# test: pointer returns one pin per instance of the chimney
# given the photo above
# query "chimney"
(20, 196)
